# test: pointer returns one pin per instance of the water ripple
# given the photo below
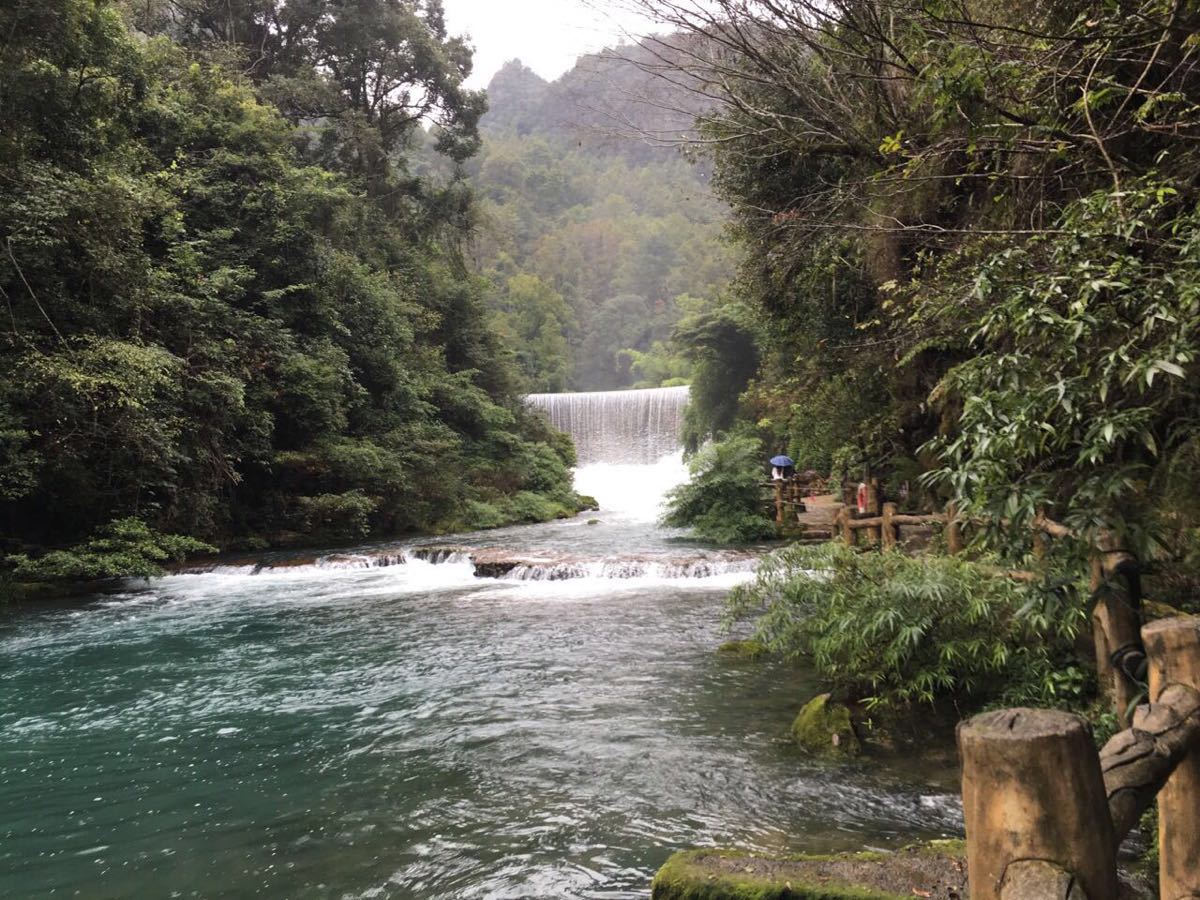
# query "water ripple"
(348, 735)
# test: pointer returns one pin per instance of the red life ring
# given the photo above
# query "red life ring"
(862, 498)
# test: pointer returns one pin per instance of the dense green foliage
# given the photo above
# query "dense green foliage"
(127, 547)
(229, 318)
(594, 245)
(892, 629)
(972, 229)
(722, 502)
(723, 351)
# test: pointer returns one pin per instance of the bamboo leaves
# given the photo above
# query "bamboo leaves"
(887, 628)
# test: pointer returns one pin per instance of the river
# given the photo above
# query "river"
(415, 731)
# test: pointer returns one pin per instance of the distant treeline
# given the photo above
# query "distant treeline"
(596, 235)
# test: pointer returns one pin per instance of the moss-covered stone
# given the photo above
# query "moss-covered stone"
(937, 872)
(593, 521)
(1156, 609)
(743, 649)
(824, 726)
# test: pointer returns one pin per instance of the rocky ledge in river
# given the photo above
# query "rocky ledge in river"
(493, 562)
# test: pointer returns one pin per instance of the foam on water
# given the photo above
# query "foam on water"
(632, 492)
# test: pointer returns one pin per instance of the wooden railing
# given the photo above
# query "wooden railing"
(787, 496)
(1045, 813)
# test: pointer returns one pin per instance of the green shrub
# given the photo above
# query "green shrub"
(122, 549)
(480, 516)
(723, 500)
(891, 629)
(345, 516)
(526, 506)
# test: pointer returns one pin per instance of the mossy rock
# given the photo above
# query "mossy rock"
(825, 727)
(587, 503)
(937, 871)
(593, 521)
(1156, 609)
(743, 649)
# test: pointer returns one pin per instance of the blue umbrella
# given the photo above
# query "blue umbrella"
(782, 461)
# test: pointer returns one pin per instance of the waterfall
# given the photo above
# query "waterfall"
(638, 427)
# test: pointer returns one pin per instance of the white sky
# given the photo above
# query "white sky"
(546, 35)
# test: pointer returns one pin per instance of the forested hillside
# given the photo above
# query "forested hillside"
(596, 233)
(231, 310)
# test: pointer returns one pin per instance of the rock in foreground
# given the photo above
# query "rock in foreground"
(826, 727)
(937, 871)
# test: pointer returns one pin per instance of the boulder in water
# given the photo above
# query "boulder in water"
(749, 649)
(825, 727)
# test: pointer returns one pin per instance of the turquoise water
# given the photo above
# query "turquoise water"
(409, 732)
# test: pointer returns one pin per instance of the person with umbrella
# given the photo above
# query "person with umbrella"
(781, 467)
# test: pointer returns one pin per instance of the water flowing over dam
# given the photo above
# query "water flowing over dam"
(640, 426)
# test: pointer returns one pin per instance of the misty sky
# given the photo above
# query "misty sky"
(546, 35)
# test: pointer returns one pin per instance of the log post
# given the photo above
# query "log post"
(1032, 790)
(843, 524)
(889, 531)
(954, 538)
(1115, 627)
(874, 532)
(1173, 650)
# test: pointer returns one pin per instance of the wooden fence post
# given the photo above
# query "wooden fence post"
(1173, 651)
(779, 502)
(1036, 813)
(890, 531)
(874, 532)
(954, 539)
(843, 524)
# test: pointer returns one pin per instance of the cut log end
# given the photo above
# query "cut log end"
(1033, 790)
(1022, 725)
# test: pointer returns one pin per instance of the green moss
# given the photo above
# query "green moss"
(743, 649)
(1156, 609)
(955, 848)
(587, 503)
(734, 875)
(825, 727)
(593, 521)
